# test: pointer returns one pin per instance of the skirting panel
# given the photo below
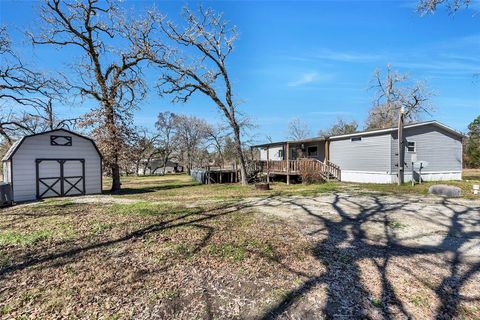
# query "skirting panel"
(381, 177)
(367, 176)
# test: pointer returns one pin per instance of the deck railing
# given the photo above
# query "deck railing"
(295, 167)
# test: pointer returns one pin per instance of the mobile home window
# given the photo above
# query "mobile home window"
(411, 146)
(312, 151)
(280, 154)
(356, 139)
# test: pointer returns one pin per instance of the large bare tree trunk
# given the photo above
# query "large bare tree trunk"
(165, 160)
(115, 177)
(114, 148)
(243, 164)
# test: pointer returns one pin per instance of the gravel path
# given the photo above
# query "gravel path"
(386, 256)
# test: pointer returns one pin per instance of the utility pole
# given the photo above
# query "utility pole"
(401, 149)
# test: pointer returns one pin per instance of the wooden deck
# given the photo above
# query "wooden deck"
(294, 167)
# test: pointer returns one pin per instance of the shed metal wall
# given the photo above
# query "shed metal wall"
(38, 146)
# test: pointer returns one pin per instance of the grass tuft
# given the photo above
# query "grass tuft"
(396, 225)
(419, 301)
(23, 239)
(228, 252)
(377, 303)
(101, 227)
(150, 209)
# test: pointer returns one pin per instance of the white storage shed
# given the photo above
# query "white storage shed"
(55, 163)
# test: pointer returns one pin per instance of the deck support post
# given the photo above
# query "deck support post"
(268, 164)
(288, 162)
(401, 149)
(327, 156)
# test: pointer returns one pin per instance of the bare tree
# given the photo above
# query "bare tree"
(166, 128)
(110, 75)
(216, 136)
(208, 41)
(339, 127)
(144, 146)
(430, 6)
(191, 134)
(26, 96)
(298, 130)
(394, 92)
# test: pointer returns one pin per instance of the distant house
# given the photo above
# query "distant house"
(372, 156)
(155, 167)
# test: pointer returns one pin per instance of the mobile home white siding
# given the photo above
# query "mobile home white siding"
(39, 147)
(274, 153)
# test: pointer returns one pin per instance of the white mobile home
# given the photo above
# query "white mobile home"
(53, 164)
(372, 156)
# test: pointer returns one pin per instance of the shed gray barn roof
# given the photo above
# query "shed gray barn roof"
(8, 156)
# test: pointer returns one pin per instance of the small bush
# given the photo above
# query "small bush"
(310, 175)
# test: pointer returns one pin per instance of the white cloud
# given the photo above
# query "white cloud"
(309, 77)
(333, 55)
(305, 78)
(332, 113)
(346, 56)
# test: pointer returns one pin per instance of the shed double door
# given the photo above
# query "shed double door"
(60, 177)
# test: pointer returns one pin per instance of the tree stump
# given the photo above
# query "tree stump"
(262, 186)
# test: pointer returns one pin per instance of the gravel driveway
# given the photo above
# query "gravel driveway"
(386, 256)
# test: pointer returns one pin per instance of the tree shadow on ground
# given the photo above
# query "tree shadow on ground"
(156, 188)
(346, 244)
(192, 219)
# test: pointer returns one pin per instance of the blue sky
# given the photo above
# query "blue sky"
(312, 60)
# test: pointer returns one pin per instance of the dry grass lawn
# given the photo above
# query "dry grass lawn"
(168, 248)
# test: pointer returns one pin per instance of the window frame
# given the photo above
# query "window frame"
(312, 154)
(414, 146)
(66, 143)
